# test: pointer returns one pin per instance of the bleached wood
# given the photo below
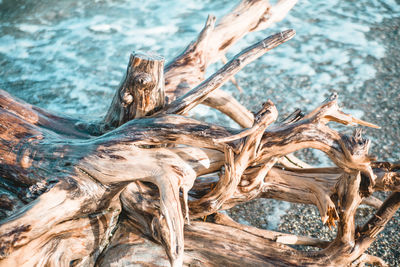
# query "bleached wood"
(126, 190)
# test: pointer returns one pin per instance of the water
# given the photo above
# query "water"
(68, 56)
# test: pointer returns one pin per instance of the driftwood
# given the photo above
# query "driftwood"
(127, 190)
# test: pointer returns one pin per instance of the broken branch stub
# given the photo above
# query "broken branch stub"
(141, 92)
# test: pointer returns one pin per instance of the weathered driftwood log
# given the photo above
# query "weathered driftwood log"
(122, 191)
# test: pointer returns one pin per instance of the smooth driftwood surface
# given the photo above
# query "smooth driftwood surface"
(128, 190)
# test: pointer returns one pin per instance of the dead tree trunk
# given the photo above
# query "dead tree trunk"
(122, 191)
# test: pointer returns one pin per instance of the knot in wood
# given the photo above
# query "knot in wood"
(127, 99)
(143, 79)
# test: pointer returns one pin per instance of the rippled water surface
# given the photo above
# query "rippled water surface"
(69, 56)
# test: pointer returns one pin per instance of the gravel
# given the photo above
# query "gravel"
(379, 98)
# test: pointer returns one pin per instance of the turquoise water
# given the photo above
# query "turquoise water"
(69, 56)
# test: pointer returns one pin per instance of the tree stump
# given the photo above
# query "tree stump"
(141, 93)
